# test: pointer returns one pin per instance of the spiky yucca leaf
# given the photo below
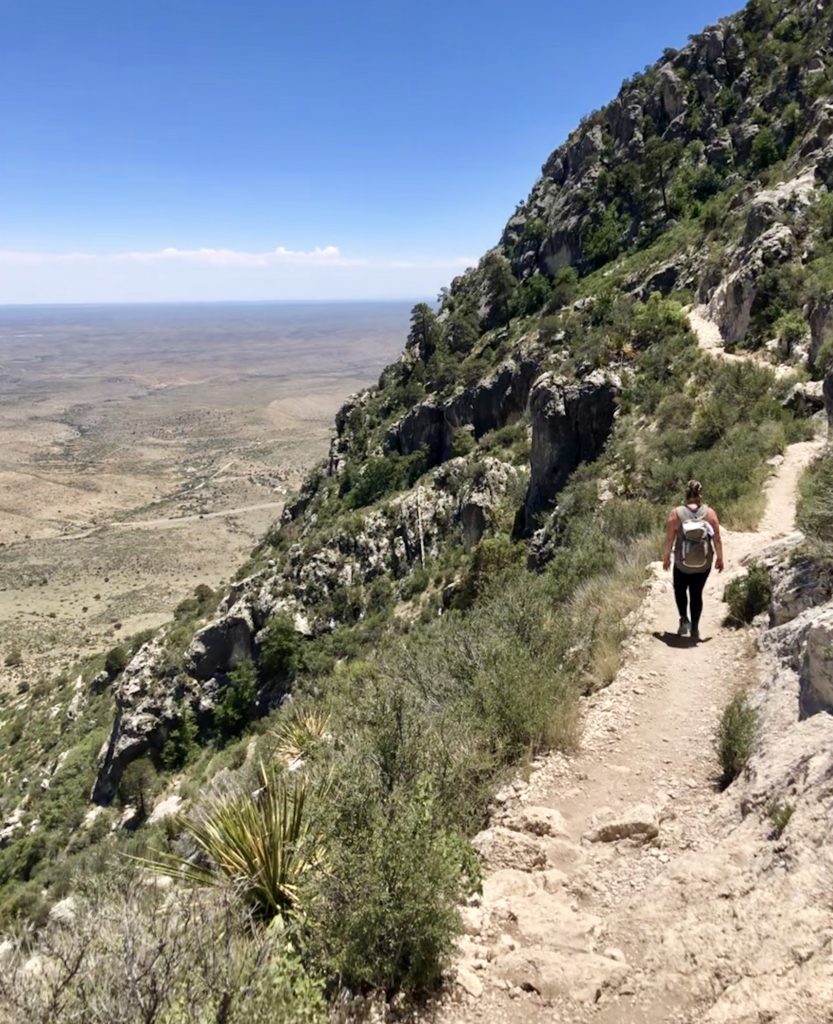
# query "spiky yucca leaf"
(261, 841)
(297, 736)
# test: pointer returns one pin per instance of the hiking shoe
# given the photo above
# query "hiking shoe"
(695, 634)
(685, 628)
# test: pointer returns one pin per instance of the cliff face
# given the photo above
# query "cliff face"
(550, 371)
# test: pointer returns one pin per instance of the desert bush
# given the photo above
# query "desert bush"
(815, 504)
(234, 708)
(735, 737)
(116, 660)
(384, 916)
(14, 659)
(131, 954)
(262, 842)
(748, 595)
(779, 814)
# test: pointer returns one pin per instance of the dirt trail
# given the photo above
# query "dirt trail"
(711, 341)
(558, 940)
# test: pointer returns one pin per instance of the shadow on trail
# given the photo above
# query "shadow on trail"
(680, 642)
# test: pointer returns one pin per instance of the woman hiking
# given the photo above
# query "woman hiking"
(692, 533)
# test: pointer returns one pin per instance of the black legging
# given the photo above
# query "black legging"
(690, 585)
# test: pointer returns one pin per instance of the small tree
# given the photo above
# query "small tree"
(660, 160)
(234, 708)
(116, 661)
(425, 334)
(280, 650)
(765, 150)
(138, 785)
(182, 742)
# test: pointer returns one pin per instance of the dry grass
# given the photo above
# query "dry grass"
(601, 611)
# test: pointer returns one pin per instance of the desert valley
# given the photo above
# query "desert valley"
(145, 449)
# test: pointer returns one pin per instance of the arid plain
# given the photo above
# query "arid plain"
(145, 450)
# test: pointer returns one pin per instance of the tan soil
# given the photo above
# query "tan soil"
(131, 473)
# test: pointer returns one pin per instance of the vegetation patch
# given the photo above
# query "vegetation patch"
(736, 736)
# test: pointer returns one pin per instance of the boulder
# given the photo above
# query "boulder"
(581, 977)
(571, 423)
(816, 676)
(672, 92)
(733, 302)
(222, 645)
(500, 847)
(538, 821)
(487, 405)
(637, 822)
(806, 398)
(797, 585)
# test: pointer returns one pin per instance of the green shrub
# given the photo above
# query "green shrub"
(779, 814)
(384, 916)
(765, 150)
(281, 651)
(748, 595)
(735, 738)
(182, 743)
(116, 661)
(234, 708)
(815, 503)
(138, 785)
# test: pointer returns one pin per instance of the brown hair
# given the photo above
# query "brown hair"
(693, 491)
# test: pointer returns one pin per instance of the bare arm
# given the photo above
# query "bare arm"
(717, 539)
(671, 525)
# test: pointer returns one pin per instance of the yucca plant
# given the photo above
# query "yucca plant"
(260, 841)
(298, 736)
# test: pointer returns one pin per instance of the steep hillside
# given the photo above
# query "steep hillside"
(462, 569)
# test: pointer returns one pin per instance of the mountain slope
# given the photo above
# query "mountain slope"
(462, 567)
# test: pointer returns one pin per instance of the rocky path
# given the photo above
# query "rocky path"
(596, 867)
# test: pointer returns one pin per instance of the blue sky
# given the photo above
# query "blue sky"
(252, 149)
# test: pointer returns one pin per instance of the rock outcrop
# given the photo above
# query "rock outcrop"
(486, 406)
(571, 423)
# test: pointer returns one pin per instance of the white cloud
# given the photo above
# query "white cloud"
(209, 273)
(323, 256)
(329, 255)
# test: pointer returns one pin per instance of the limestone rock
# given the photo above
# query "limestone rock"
(570, 425)
(637, 822)
(509, 883)
(553, 975)
(221, 646)
(539, 821)
(500, 847)
(64, 912)
(806, 398)
(469, 982)
(797, 585)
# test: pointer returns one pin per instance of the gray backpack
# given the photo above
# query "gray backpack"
(694, 539)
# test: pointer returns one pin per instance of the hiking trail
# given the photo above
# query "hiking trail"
(573, 929)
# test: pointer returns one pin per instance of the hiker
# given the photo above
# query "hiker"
(692, 532)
